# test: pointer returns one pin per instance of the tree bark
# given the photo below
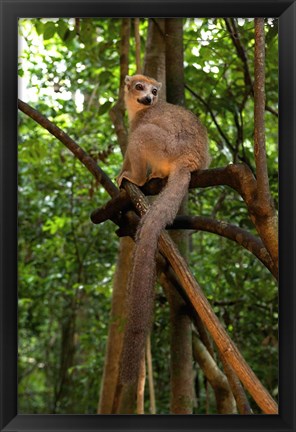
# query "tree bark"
(112, 399)
(154, 60)
(141, 387)
(118, 110)
(204, 310)
(174, 61)
(150, 376)
(138, 45)
(224, 397)
(181, 335)
(238, 392)
(229, 231)
(115, 333)
(269, 232)
(63, 391)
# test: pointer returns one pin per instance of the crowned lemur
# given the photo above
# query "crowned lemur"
(165, 140)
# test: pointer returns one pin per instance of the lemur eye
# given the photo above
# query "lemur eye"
(139, 87)
(154, 92)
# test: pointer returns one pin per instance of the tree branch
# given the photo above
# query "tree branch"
(241, 52)
(269, 230)
(84, 158)
(236, 387)
(241, 180)
(237, 176)
(224, 397)
(204, 310)
(229, 231)
(271, 110)
(167, 247)
(240, 397)
(207, 106)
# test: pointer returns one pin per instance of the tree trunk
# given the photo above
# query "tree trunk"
(109, 386)
(116, 333)
(181, 330)
(63, 397)
(154, 61)
(224, 397)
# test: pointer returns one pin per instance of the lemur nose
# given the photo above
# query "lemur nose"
(148, 99)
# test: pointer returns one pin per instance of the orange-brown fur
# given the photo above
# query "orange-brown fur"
(164, 141)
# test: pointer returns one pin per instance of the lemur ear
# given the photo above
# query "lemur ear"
(127, 81)
(159, 84)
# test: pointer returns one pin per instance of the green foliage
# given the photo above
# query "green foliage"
(69, 71)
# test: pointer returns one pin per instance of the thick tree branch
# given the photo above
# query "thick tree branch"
(238, 392)
(197, 223)
(237, 176)
(204, 310)
(168, 278)
(240, 178)
(229, 231)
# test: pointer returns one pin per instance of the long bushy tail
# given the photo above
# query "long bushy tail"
(142, 278)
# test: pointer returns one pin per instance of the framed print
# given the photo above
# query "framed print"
(108, 323)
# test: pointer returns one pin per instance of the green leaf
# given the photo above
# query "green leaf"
(62, 28)
(105, 107)
(39, 27)
(86, 32)
(69, 35)
(49, 30)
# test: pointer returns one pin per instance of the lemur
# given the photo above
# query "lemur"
(165, 140)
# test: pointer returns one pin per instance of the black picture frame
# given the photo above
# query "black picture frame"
(10, 10)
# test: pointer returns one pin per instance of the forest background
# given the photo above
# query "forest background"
(70, 72)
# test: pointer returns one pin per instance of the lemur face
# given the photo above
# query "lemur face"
(143, 90)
